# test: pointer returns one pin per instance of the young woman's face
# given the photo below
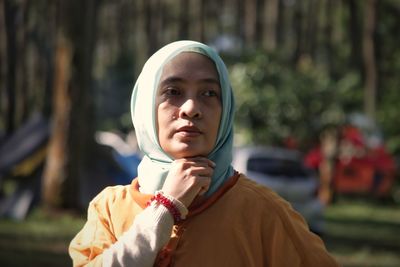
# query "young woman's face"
(188, 106)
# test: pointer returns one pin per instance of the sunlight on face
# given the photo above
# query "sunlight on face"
(188, 106)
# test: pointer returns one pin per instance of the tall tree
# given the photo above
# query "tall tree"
(184, 19)
(270, 21)
(371, 78)
(240, 14)
(327, 34)
(22, 86)
(298, 21)
(3, 69)
(312, 26)
(200, 19)
(250, 21)
(354, 33)
(10, 15)
(72, 140)
(151, 25)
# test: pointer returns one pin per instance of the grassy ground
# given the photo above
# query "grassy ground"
(359, 234)
(364, 233)
(41, 240)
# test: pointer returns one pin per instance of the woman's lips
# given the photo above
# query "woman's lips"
(189, 131)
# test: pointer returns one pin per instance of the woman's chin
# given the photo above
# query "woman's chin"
(188, 152)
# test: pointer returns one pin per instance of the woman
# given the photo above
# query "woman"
(188, 207)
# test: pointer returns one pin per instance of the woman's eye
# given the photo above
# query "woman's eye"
(172, 91)
(210, 93)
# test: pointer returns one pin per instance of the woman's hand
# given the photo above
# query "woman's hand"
(188, 178)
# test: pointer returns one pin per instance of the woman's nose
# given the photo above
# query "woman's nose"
(190, 108)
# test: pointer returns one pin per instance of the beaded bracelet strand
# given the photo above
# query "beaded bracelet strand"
(167, 203)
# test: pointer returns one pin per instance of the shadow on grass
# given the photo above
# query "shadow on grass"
(356, 232)
(21, 257)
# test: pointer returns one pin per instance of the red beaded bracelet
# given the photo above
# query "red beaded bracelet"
(163, 200)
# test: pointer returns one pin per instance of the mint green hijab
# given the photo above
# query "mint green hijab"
(154, 167)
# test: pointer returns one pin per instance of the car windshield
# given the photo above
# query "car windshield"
(276, 167)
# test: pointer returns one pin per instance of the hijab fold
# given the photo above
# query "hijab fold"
(154, 167)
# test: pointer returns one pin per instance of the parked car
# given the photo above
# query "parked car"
(283, 171)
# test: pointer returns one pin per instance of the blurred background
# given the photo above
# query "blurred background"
(317, 91)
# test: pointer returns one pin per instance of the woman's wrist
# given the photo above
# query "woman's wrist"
(177, 209)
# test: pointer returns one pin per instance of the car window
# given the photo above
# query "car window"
(276, 167)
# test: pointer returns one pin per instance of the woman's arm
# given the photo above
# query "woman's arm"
(96, 244)
(139, 246)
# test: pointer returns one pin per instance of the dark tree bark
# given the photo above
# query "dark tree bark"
(250, 20)
(371, 76)
(328, 35)
(184, 20)
(280, 23)
(18, 91)
(200, 19)
(312, 27)
(10, 12)
(151, 29)
(354, 34)
(239, 21)
(260, 22)
(298, 26)
(23, 41)
(3, 65)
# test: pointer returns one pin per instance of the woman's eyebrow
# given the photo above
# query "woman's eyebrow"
(172, 79)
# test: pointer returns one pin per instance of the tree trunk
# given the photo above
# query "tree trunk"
(200, 18)
(56, 166)
(354, 34)
(270, 20)
(328, 35)
(3, 65)
(370, 82)
(312, 27)
(280, 24)
(151, 29)
(260, 23)
(183, 20)
(22, 86)
(240, 20)
(299, 32)
(10, 11)
(250, 15)
(71, 143)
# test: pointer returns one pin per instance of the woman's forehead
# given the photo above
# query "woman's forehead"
(190, 64)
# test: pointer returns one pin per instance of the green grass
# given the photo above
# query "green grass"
(359, 233)
(41, 240)
(362, 233)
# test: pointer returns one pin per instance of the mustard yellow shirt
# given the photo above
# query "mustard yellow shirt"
(243, 224)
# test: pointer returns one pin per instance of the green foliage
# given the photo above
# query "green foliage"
(276, 100)
(388, 61)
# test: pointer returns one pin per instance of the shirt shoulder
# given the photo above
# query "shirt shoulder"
(115, 206)
(111, 194)
(259, 194)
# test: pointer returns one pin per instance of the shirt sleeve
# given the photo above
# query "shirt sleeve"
(139, 246)
(292, 244)
(96, 245)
